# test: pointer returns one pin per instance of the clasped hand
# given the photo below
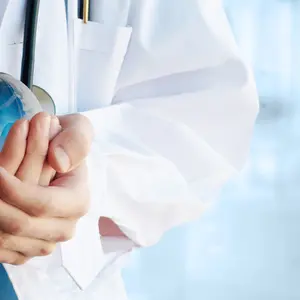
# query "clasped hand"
(43, 185)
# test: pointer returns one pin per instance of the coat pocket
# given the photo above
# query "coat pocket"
(99, 55)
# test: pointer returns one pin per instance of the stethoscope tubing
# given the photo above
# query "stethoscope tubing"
(29, 42)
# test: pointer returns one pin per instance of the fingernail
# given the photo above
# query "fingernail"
(62, 158)
(55, 127)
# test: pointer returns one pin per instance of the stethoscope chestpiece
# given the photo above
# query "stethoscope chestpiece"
(44, 99)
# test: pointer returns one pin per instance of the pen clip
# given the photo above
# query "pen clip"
(84, 10)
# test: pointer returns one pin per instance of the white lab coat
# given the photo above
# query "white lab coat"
(173, 105)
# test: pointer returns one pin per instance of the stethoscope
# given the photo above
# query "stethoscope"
(28, 56)
(29, 47)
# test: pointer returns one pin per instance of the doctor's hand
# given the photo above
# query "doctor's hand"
(34, 218)
(70, 139)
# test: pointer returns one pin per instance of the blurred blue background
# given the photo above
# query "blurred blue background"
(247, 247)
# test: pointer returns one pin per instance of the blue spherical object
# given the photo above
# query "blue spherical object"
(16, 102)
(11, 107)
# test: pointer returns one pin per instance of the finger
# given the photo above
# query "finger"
(55, 127)
(17, 223)
(69, 148)
(48, 172)
(26, 246)
(53, 230)
(36, 150)
(11, 257)
(11, 155)
(67, 197)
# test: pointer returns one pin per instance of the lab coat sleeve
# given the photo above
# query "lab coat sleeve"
(179, 128)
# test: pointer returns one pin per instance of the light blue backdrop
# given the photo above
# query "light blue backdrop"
(246, 248)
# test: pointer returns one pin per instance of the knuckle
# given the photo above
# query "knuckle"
(39, 209)
(38, 118)
(47, 249)
(17, 226)
(14, 227)
(10, 192)
(67, 235)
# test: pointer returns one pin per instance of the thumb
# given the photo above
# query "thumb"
(72, 145)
